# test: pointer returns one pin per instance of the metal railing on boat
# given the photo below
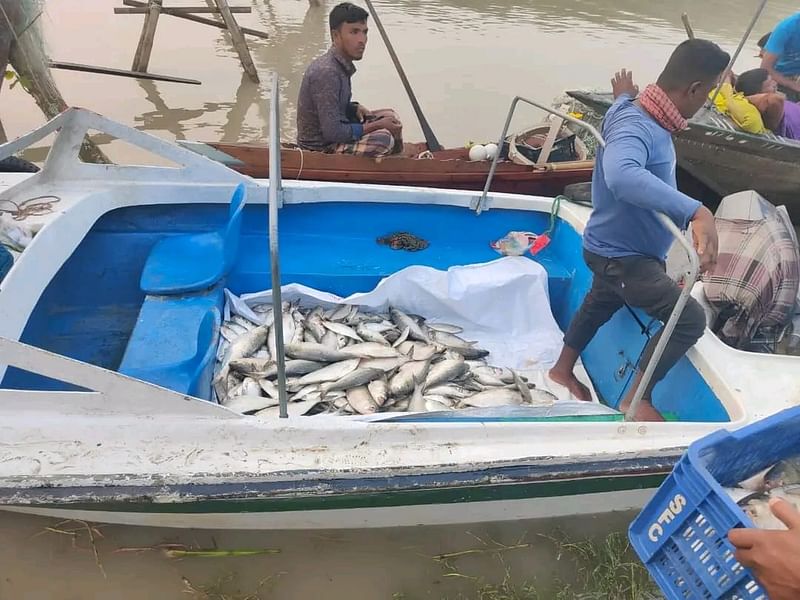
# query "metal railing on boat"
(694, 261)
(275, 193)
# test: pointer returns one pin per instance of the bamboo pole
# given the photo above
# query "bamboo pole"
(179, 10)
(687, 25)
(196, 19)
(83, 68)
(142, 57)
(238, 39)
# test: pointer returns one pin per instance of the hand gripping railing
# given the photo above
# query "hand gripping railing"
(694, 261)
(275, 192)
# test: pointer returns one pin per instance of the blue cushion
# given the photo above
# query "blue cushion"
(174, 342)
(194, 262)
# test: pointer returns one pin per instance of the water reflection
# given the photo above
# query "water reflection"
(291, 47)
(465, 59)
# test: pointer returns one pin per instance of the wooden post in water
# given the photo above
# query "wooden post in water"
(154, 8)
(238, 40)
(142, 57)
(27, 56)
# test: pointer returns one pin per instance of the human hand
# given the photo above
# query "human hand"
(773, 556)
(362, 112)
(384, 122)
(622, 83)
(706, 243)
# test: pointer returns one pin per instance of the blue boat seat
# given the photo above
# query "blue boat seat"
(174, 342)
(194, 262)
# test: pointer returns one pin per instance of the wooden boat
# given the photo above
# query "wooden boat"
(727, 160)
(450, 168)
(82, 440)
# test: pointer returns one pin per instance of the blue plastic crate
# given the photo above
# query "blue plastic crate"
(681, 534)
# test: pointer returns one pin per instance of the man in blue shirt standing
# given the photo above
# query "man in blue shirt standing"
(625, 244)
(781, 56)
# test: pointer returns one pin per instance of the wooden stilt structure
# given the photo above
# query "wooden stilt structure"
(153, 9)
(174, 12)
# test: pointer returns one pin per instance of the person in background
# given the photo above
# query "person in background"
(327, 118)
(779, 114)
(734, 104)
(772, 555)
(625, 243)
(781, 56)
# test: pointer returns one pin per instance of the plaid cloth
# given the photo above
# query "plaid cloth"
(656, 102)
(755, 282)
(374, 145)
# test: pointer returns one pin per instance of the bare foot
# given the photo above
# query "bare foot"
(569, 381)
(645, 411)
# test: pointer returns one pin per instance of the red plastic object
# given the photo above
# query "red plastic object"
(540, 244)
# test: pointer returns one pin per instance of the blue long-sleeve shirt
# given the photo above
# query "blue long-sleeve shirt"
(634, 176)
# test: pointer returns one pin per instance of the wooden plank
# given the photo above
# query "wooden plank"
(239, 43)
(142, 57)
(201, 20)
(179, 10)
(68, 66)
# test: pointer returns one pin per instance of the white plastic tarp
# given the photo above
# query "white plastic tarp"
(503, 305)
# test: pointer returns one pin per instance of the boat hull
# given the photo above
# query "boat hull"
(449, 169)
(729, 161)
(408, 497)
(149, 515)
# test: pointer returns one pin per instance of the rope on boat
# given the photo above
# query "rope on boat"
(555, 208)
(302, 157)
(32, 207)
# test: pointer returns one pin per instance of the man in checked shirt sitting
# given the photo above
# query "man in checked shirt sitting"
(327, 118)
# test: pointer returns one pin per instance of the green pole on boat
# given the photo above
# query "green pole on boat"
(430, 138)
(274, 255)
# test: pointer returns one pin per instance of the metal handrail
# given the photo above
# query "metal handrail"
(669, 326)
(517, 99)
(275, 193)
(694, 260)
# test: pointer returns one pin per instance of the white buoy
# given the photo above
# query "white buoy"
(477, 152)
(491, 151)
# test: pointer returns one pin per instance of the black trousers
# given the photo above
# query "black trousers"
(640, 282)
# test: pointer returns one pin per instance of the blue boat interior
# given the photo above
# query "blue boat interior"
(96, 310)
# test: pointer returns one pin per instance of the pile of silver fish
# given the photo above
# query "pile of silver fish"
(782, 480)
(345, 361)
